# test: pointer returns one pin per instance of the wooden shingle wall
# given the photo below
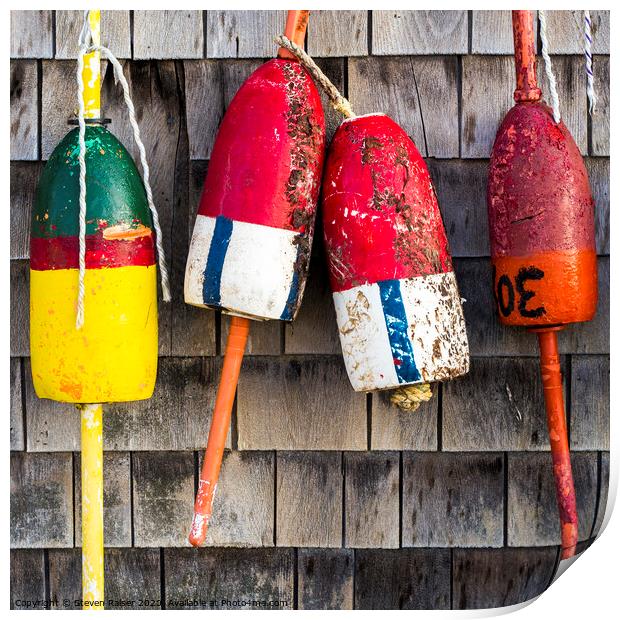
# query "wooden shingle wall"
(328, 499)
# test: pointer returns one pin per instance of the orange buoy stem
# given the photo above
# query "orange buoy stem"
(295, 31)
(235, 348)
(525, 57)
(558, 438)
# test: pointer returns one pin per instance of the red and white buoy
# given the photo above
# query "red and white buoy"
(397, 302)
(398, 307)
(250, 248)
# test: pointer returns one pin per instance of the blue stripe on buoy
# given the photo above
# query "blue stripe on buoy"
(398, 331)
(215, 260)
(291, 302)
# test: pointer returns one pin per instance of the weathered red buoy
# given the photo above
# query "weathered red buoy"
(397, 302)
(250, 248)
(541, 223)
(251, 243)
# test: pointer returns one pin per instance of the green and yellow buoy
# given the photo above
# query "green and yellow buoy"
(112, 356)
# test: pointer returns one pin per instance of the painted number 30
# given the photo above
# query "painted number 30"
(504, 292)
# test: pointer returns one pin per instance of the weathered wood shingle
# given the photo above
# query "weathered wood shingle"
(565, 31)
(498, 406)
(224, 578)
(132, 578)
(314, 407)
(486, 578)
(27, 581)
(115, 33)
(589, 416)
(309, 499)
(19, 304)
(407, 90)
(117, 515)
(532, 510)
(325, 578)
(167, 34)
(491, 32)
(600, 119)
(338, 33)
(452, 500)
(243, 509)
(41, 500)
(24, 110)
(419, 32)
(32, 34)
(243, 34)
(402, 579)
(395, 429)
(24, 179)
(371, 499)
(163, 498)
(16, 405)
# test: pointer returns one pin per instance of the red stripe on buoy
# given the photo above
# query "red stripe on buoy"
(63, 252)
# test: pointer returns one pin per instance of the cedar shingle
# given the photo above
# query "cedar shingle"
(163, 498)
(16, 405)
(325, 578)
(115, 33)
(243, 34)
(589, 417)
(453, 500)
(223, 578)
(485, 578)
(24, 113)
(309, 499)
(407, 90)
(338, 33)
(167, 34)
(419, 32)
(32, 34)
(27, 569)
(116, 500)
(402, 579)
(532, 509)
(299, 404)
(41, 500)
(371, 491)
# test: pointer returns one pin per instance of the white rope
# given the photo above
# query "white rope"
(587, 48)
(555, 99)
(86, 47)
(84, 36)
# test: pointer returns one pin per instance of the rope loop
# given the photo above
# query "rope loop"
(555, 99)
(337, 101)
(86, 47)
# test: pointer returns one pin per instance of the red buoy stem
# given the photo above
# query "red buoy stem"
(525, 57)
(558, 438)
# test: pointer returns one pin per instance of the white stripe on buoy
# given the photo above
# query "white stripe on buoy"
(245, 269)
(401, 332)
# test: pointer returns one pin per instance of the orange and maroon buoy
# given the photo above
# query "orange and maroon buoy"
(541, 221)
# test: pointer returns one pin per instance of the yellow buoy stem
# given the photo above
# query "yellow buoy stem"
(92, 507)
(92, 70)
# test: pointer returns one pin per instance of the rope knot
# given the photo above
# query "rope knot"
(410, 397)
